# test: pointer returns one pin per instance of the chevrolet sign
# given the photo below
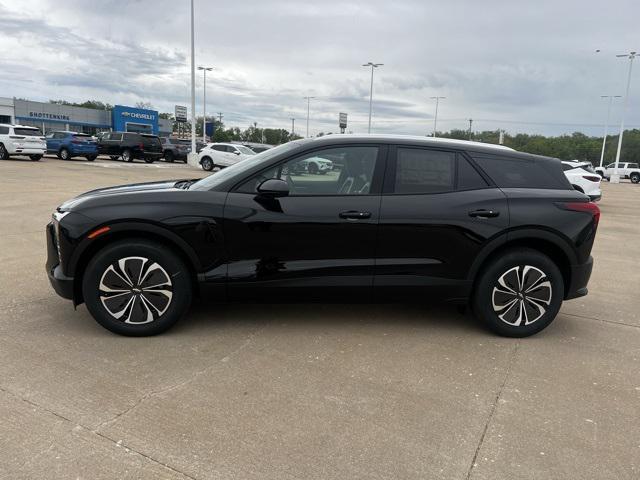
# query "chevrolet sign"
(141, 116)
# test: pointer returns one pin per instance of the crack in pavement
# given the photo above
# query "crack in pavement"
(492, 412)
(600, 320)
(98, 434)
(193, 377)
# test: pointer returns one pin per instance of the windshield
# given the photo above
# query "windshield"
(239, 168)
(245, 150)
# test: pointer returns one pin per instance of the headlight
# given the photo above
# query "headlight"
(56, 217)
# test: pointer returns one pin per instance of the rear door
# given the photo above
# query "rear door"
(437, 212)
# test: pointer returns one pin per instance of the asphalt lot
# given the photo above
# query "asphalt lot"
(309, 392)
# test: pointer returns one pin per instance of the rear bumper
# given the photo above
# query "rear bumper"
(62, 284)
(580, 275)
(595, 198)
(27, 151)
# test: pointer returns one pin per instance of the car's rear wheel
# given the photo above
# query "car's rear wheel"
(4, 155)
(168, 156)
(519, 293)
(35, 158)
(113, 157)
(207, 164)
(149, 160)
(312, 168)
(64, 154)
(136, 287)
(91, 158)
(126, 156)
(635, 177)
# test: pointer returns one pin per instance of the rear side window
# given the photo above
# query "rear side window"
(424, 171)
(219, 148)
(632, 165)
(468, 176)
(116, 136)
(4, 130)
(521, 172)
(27, 132)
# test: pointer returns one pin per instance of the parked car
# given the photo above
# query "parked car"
(21, 140)
(174, 149)
(407, 219)
(129, 146)
(67, 145)
(315, 166)
(625, 170)
(583, 178)
(222, 155)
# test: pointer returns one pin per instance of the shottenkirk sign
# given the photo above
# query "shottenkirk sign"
(48, 116)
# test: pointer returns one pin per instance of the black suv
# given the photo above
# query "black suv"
(129, 146)
(396, 219)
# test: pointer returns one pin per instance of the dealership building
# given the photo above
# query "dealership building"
(52, 116)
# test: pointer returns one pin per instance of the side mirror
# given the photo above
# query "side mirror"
(273, 188)
(237, 152)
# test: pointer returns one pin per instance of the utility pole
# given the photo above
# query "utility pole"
(615, 178)
(193, 156)
(470, 124)
(606, 125)
(373, 66)
(204, 103)
(435, 118)
(293, 126)
(308, 99)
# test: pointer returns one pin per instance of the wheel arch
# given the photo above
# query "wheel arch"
(550, 244)
(82, 256)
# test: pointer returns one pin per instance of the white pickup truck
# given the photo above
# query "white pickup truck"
(625, 170)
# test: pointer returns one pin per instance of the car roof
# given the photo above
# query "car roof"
(409, 139)
(18, 126)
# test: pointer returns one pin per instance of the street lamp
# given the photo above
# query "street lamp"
(293, 126)
(615, 178)
(435, 118)
(193, 156)
(606, 125)
(204, 103)
(372, 65)
(308, 99)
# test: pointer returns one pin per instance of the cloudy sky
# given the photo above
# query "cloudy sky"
(522, 66)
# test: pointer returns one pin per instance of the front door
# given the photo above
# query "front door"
(316, 243)
(437, 212)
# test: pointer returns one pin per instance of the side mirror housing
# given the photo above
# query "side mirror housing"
(273, 187)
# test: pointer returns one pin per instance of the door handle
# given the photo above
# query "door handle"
(482, 213)
(354, 215)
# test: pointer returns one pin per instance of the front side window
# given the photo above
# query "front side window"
(344, 170)
(116, 136)
(424, 171)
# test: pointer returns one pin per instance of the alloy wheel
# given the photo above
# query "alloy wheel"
(3, 152)
(135, 290)
(521, 295)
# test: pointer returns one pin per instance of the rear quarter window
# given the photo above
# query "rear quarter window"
(510, 172)
(4, 130)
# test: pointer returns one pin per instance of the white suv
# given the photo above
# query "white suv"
(625, 170)
(583, 178)
(21, 140)
(222, 155)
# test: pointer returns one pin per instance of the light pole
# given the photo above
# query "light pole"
(293, 126)
(606, 125)
(204, 102)
(308, 99)
(435, 118)
(372, 65)
(470, 123)
(615, 178)
(193, 156)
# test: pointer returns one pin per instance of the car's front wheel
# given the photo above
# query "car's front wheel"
(207, 164)
(91, 158)
(136, 287)
(4, 155)
(519, 293)
(635, 177)
(35, 158)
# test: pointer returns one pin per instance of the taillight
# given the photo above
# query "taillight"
(591, 178)
(76, 141)
(141, 146)
(586, 207)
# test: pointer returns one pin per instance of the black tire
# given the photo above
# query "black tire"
(35, 158)
(149, 160)
(170, 297)
(113, 157)
(126, 156)
(168, 156)
(64, 154)
(207, 164)
(91, 158)
(312, 168)
(492, 301)
(635, 177)
(4, 155)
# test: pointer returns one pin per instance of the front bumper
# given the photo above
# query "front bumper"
(580, 275)
(62, 284)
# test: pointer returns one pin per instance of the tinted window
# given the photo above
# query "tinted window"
(115, 136)
(132, 137)
(27, 132)
(566, 167)
(334, 171)
(4, 130)
(468, 176)
(219, 148)
(522, 172)
(424, 171)
(632, 165)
